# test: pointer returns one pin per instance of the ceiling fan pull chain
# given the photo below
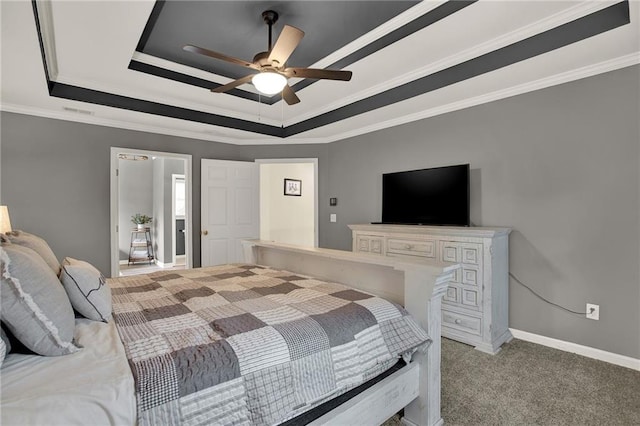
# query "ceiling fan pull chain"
(282, 107)
(259, 105)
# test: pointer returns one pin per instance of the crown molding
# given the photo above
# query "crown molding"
(554, 80)
(548, 23)
(131, 92)
(214, 136)
(121, 124)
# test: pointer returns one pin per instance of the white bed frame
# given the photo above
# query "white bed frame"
(418, 285)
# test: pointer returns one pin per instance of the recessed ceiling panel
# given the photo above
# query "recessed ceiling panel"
(416, 64)
(236, 28)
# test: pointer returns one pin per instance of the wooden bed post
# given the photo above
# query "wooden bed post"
(425, 410)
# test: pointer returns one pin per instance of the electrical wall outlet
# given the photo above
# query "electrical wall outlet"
(333, 217)
(593, 311)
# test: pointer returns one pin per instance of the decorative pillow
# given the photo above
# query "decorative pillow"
(87, 288)
(38, 245)
(35, 307)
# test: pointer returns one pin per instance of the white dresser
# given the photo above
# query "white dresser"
(475, 309)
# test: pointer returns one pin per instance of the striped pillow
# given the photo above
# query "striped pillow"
(87, 288)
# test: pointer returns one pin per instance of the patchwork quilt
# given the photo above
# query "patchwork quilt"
(245, 344)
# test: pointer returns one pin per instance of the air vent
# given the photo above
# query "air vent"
(78, 111)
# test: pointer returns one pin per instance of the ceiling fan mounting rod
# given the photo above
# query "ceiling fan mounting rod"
(270, 17)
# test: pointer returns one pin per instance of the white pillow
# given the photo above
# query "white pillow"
(87, 289)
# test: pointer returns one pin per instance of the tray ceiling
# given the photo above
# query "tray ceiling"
(121, 63)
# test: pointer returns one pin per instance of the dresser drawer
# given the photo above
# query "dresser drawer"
(462, 322)
(452, 295)
(463, 297)
(370, 244)
(424, 248)
(466, 253)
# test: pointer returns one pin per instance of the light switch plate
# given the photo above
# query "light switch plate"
(333, 217)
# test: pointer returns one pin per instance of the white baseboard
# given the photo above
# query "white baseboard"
(164, 265)
(589, 352)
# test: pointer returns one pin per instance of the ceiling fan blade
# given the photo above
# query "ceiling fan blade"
(285, 45)
(318, 73)
(289, 95)
(233, 84)
(216, 55)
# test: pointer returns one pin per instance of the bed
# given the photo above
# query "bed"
(128, 371)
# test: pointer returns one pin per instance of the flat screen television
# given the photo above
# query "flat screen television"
(435, 196)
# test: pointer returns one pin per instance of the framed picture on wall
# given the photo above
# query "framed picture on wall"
(293, 187)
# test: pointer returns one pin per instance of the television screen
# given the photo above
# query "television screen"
(436, 196)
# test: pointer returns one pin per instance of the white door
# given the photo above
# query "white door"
(230, 209)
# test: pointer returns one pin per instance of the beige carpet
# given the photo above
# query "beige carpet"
(529, 384)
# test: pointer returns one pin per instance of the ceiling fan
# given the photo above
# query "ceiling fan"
(272, 76)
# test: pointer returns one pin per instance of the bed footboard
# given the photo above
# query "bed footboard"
(418, 285)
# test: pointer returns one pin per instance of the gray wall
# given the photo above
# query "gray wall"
(55, 178)
(135, 196)
(560, 166)
(163, 168)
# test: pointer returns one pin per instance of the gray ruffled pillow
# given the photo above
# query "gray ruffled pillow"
(38, 245)
(87, 288)
(35, 307)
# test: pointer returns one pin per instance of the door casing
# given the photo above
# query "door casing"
(114, 211)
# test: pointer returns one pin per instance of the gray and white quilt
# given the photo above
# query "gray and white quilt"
(245, 344)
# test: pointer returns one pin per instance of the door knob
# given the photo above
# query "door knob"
(205, 232)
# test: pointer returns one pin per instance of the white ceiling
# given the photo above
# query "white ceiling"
(95, 53)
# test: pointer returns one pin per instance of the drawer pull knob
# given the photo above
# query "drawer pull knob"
(457, 321)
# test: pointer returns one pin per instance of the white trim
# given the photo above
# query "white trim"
(188, 173)
(164, 265)
(136, 92)
(382, 30)
(174, 178)
(565, 77)
(316, 206)
(568, 15)
(209, 135)
(496, 43)
(45, 18)
(190, 71)
(589, 352)
(554, 80)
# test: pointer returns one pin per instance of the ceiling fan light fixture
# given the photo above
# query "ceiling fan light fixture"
(269, 82)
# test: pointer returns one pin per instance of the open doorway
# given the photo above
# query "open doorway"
(143, 183)
(289, 214)
(241, 200)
